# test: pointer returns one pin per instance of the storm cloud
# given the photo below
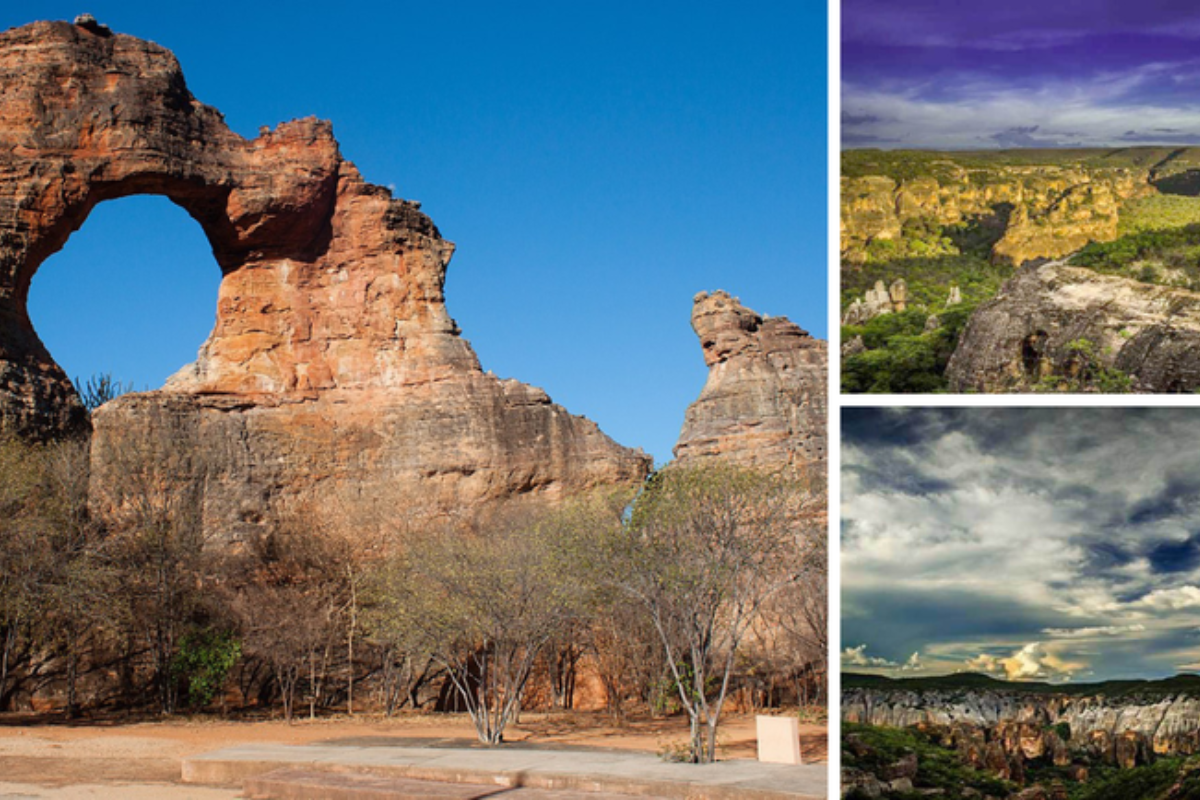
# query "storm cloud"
(1039, 542)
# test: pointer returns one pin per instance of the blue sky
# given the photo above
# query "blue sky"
(1025, 73)
(596, 164)
(1058, 544)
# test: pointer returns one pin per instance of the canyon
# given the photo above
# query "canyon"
(1012, 241)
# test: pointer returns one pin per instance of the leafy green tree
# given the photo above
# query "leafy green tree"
(203, 661)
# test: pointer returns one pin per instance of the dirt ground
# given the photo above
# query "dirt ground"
(119, 759)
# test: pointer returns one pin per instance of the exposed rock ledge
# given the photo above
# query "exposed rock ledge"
(1027, 332)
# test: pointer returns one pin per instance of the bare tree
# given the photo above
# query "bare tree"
(289, 595)
(79, 597)
(484, 604)
(147, 490)
(23, 562)
(703, 552)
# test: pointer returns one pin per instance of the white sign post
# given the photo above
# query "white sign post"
(778, 739)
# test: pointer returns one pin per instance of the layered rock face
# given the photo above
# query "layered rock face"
(333, 356)
(1042, 211)
(997, 728)
(1046, 316)
(764, 403)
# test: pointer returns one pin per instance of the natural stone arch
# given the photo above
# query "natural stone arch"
(333, 358)
(90, 117)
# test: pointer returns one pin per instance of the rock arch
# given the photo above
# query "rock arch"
(333, 354)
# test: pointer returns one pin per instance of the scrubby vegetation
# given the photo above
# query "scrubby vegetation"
(874, 750)
(111, 597)
(909, 164)
(1167, 257)
(884, 752)
(901, 355)
(1158, 212)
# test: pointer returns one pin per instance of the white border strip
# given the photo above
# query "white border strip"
(834, 433)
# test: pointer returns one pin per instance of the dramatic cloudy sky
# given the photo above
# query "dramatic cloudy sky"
(1056, 544)
(1026, 73)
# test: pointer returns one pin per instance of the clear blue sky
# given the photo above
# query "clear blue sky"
(597, 164)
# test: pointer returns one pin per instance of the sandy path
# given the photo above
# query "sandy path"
(142, 760)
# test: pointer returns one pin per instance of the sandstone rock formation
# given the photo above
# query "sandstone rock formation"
(1037, 325)
(1039, 210)
(1125, 731)
(878, 300)
(765, 400)
(333, 356)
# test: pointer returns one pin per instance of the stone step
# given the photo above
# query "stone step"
(300, 784)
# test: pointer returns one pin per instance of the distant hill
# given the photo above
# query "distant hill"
(1186, 683)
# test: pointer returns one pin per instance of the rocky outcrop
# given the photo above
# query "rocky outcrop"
(878, 300)
(333, 356)
(1052, 320)
(1039, 211)
(1125, 731)
(764, 403)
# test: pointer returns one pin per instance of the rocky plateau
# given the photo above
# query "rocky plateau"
(1042, 210)
(1002, 731)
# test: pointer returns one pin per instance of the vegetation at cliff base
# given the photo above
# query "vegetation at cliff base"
(875, 750)
(909, 352)
(114, 596)
(879, 755)
(901, 355)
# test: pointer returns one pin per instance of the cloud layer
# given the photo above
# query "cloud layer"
(942, 74)
(1056, 544)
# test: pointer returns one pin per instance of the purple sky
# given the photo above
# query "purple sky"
(945, 74)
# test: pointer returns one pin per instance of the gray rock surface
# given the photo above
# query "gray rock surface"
(1032, 329)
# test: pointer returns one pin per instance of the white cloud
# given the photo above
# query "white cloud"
(978, 112)
(1097, 630)
(857, 657)
(1173, 599)
(1031, 662)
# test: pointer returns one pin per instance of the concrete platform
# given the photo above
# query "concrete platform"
(294, 784)
(575, 770)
